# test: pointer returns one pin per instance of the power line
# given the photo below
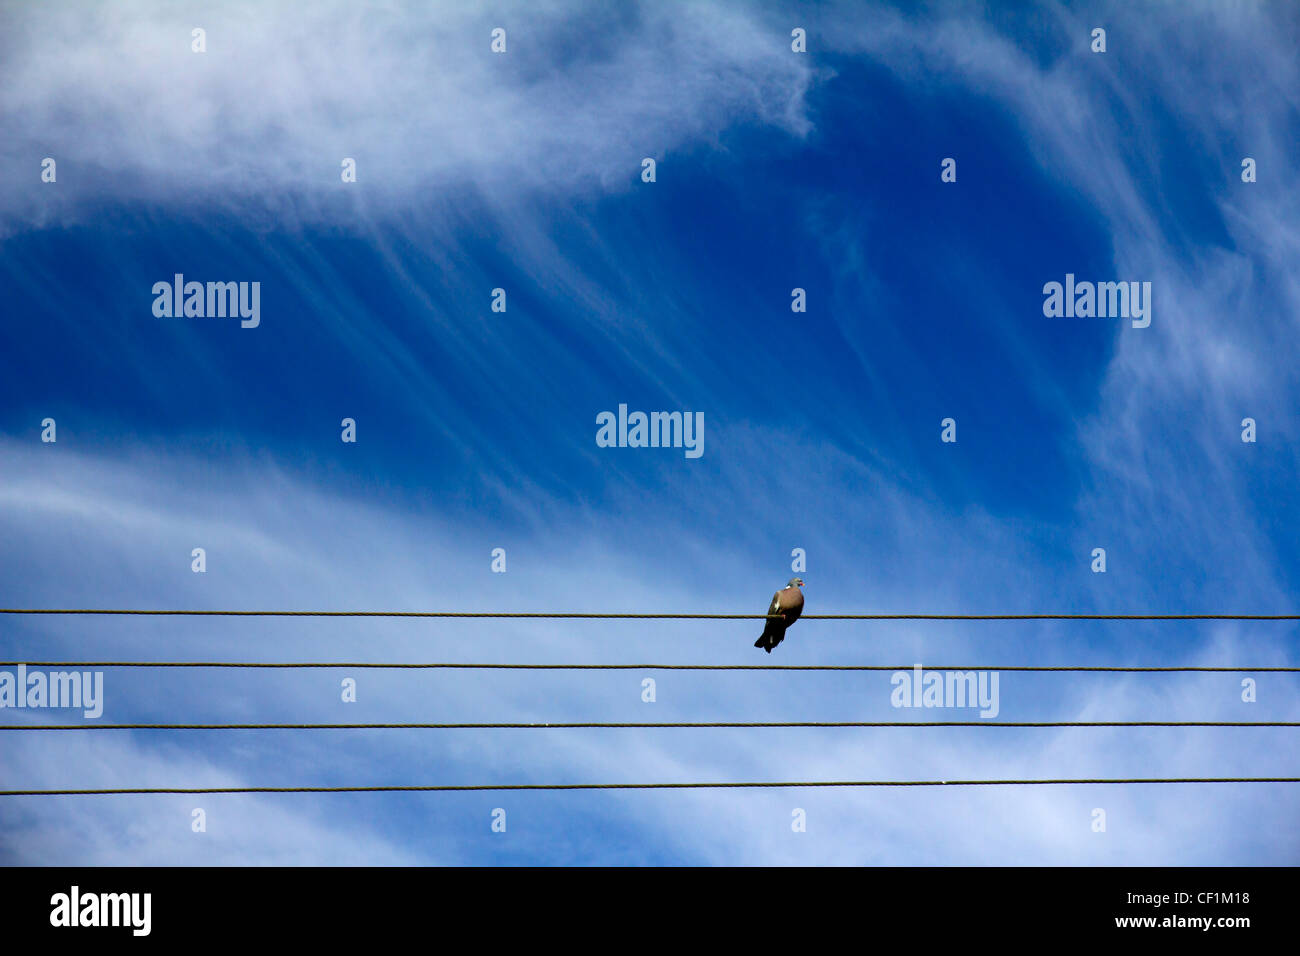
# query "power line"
(659, 667)
(582, 615)
(635, 725)
(446, 788)
(447, 614)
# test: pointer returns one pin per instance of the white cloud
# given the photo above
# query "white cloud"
(118, 532)
(256, 122)
(1163, 443)
(262, 120)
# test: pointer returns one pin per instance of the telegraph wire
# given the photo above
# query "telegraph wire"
(730, 785)
(585, 615)
(710, 725)
(660, 667)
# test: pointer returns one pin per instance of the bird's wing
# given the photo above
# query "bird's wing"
(788, 601)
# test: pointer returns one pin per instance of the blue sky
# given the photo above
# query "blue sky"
(476, 429)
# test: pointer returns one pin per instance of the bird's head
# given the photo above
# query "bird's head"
(795, 583)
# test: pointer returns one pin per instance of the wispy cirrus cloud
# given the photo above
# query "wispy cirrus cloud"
(1161, 168)
(412, 91)
(258, 124)
(99, 532)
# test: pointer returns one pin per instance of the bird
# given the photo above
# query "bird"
(788, 602)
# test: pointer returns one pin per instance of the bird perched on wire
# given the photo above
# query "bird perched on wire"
(787, 602)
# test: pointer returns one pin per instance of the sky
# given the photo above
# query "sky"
(476, 429)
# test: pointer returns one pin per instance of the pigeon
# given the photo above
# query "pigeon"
(788, 602)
